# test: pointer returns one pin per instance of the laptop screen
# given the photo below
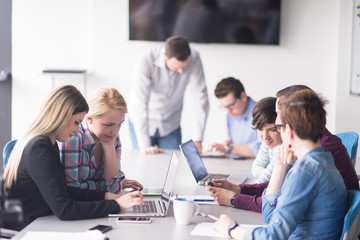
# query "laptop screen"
(192, 156)
(170, 178)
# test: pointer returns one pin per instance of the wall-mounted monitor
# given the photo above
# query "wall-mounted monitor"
(206, 21)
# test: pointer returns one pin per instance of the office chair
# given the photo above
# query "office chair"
(350, 141)
(351, 227)
(7, 151)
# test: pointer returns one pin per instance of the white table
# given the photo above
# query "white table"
(150, 170)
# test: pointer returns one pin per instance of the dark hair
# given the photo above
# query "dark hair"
(82, 105)
(177, 47)
(285, 92)
(305, 113)
(264, 112)
(229, 85)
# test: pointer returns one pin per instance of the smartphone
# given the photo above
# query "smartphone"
(101, 228)
(134, 220)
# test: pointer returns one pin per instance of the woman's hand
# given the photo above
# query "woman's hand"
(130, 199)
(284, 155)
(132, 184)
(222, 224)
(152, 150)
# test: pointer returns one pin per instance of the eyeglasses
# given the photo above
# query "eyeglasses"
(279, 126)
(230, 105)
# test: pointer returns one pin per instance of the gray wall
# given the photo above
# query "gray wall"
(5, 65)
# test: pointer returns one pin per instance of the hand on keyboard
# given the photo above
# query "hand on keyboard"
(130, 199)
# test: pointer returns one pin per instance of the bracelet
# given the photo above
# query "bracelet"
(232, 200)
(228, 148)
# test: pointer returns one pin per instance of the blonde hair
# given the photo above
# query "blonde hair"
(105, 99)
(52, 118)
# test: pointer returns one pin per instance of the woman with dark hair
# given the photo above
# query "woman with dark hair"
(309, 200)
(264, 115)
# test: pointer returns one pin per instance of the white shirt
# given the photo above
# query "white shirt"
(157, 97)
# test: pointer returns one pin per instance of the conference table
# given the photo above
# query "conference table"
(150, 171)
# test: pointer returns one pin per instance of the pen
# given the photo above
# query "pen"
(203, 200)
(213, 217)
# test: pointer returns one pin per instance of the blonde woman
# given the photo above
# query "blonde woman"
(34, 173)
(91, 158)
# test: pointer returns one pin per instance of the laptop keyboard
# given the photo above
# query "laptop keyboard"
(149, 208)
(214, 176)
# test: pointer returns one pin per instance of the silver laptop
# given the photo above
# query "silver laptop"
(155, 206)
(196, 164)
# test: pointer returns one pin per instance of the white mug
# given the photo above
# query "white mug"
(184, 210)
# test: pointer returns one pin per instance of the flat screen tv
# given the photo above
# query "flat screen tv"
(206, 21)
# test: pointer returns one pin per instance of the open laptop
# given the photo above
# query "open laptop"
(196, 164)
(155, 206)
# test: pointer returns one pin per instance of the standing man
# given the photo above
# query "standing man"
(161, 77)
(243, 139)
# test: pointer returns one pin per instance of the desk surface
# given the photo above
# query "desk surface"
(150, 170)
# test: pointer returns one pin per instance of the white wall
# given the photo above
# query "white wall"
(93, 34)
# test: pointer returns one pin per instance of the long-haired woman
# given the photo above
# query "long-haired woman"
(34, 173)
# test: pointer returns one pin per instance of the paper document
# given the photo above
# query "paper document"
(88, 235)
(205, 229)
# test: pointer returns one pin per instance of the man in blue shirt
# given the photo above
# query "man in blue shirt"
(243, 140)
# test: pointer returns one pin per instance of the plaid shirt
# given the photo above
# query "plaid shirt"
(78, 160)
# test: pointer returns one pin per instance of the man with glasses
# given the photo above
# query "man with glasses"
(249, 196)
(243, 140)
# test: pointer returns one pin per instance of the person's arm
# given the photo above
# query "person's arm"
(238, 149)
(283, 216)
(250, 197)
(253, 189)
(269, 157)
(222, 226)
(112, 177)
(72, 156)
(199, 94)
(44, 167)
(261, 161)
(331, 143)
(283, 156)
(248, 202)
(140, 99)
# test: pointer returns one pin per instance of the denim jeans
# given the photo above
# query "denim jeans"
(171, 141)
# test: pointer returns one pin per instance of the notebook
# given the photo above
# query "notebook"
(196, 164)
(155, 206)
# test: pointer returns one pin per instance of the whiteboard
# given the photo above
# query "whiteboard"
(355, 68)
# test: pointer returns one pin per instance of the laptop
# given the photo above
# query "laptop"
(156, 206)
(196, 164)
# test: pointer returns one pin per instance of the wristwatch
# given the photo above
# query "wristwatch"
(232, 200)
(228, 148)
(231, 227)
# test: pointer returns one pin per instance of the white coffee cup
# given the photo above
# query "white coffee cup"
(184, 210)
